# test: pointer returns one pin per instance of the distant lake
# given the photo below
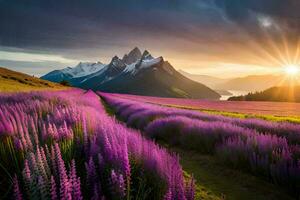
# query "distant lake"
(234, 93)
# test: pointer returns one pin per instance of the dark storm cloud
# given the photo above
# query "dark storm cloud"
(239, 10)
(58, 24)
(274, 25)
(97, 23)
(244, 13)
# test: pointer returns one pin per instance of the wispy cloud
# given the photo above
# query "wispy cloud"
(31, 57)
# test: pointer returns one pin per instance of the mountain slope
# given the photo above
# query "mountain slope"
(159, 80)
(81, 70)
(12, 81)
(137, 73)
(282, 94)
(210, 81)
(251, 83)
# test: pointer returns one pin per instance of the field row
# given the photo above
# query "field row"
(63, 145)
(264, 148)
(275, 111)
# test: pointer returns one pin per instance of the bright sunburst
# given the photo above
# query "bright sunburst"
(292, 70)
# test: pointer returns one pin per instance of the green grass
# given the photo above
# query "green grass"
(215, 181)
(293, 119)
(179, 92)
(109, 110)
(274, 118)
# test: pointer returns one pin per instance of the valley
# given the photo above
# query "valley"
(149, 100)
(211, 172)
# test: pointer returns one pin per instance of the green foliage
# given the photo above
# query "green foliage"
(144, 183)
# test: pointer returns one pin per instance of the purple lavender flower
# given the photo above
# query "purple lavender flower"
(53, 189)
(75, 124)
(117, 184)
(74, 182)
(91, 173)
(17, 192)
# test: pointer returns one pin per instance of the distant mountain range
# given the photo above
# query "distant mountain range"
(136, 73)
(210, 81)
(250, 83)
(282, 93)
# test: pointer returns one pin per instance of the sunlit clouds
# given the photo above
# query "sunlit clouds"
(213, 37)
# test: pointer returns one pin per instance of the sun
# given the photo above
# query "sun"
(292, 70)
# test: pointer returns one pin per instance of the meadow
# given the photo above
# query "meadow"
(266, 149)
(63, 145)
(77, 144)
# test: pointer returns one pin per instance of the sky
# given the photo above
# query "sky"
(223, 38)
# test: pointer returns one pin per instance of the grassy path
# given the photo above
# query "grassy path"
(215, 181)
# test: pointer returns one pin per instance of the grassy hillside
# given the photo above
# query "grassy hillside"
(281, 94)
(12, 81)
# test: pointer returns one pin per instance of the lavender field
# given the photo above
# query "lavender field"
(63, 145)
(74, 144)
(266, 149)
(283, 109)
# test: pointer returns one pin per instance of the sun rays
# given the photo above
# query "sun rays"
(284, 54)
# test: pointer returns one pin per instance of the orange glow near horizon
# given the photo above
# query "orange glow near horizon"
(275, 52)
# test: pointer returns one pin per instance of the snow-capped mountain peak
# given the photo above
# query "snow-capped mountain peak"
(130, 63)
(147, 56)
(116, 62)
(135, 73)
(83, 69)
(132, 56)
(145, 62)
